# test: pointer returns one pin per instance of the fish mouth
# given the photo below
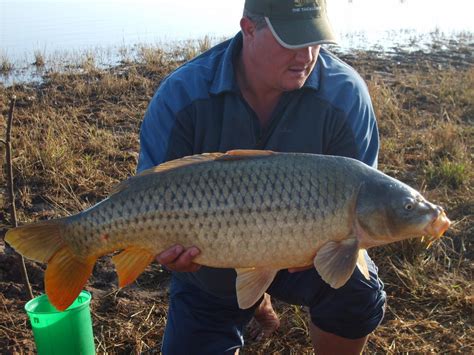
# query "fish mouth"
(436, 229)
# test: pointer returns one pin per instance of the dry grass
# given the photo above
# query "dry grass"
(6, 67)
(40, 60)
(76, 135)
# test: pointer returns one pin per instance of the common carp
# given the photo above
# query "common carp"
(255, 211)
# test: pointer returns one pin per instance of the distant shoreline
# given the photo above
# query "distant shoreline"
(453, 50)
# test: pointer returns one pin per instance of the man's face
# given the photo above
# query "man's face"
(278, 67)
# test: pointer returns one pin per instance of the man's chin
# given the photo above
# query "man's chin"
(294, 84)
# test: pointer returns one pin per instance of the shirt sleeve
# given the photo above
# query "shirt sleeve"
(364, 125)
(347, 91)
(355, 134)
(154, 133)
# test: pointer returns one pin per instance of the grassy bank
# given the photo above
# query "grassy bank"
(76, 136)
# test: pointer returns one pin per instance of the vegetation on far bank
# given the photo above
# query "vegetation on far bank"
(75, 136)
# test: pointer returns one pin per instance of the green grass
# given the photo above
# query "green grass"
(447, 173)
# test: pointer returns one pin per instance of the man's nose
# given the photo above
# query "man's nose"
(305, 54)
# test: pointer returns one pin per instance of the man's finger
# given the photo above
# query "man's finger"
(185, 260)
(169, 255)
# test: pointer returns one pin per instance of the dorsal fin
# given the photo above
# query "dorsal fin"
(193, 159)
(178, 163)
(250, 152)
(238, 154)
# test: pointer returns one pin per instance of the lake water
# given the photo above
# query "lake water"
(48, 26)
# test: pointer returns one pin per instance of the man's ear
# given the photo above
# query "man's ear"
(248, 27)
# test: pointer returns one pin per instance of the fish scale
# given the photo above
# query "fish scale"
(255, 211)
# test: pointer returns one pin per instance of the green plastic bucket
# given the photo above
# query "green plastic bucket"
(58, 333)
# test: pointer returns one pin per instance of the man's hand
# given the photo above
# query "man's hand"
(177, 258)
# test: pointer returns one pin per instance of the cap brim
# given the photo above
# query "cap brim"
(302, 33)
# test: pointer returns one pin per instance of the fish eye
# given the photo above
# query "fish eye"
(410, 203)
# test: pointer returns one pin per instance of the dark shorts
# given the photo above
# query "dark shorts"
(201, 323)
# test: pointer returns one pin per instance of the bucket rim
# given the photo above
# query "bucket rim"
(29, 305)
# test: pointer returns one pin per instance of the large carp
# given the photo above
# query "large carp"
(255, 211)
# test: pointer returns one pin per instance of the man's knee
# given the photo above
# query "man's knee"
(352, 312)
(328, 343)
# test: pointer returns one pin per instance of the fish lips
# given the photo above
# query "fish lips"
(438, 226)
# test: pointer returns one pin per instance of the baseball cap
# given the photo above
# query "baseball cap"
(295, 23)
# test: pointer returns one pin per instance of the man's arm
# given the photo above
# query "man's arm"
(361, 117)
(356, 135)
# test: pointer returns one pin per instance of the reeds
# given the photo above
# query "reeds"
(39, 59)
(6, 67)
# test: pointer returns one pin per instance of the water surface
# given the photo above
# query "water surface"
(49, 25)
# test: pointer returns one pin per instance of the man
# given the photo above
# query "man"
(270, 87)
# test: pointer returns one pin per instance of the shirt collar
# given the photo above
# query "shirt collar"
(225, 80)
(314, 78)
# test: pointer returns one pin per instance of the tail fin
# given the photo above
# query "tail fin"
(66, 273)
(38, 241)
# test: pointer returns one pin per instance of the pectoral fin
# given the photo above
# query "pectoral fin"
(362, 264)
(130, 263)
(335, 261)
(251, 284)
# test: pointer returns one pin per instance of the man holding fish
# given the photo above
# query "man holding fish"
(271, 87)
(295, 187)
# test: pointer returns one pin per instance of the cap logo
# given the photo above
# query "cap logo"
(300, 3)
(305, 6)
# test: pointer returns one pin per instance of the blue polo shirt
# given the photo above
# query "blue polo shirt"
(199, 108)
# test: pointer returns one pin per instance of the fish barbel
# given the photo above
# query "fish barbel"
(255, 211)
